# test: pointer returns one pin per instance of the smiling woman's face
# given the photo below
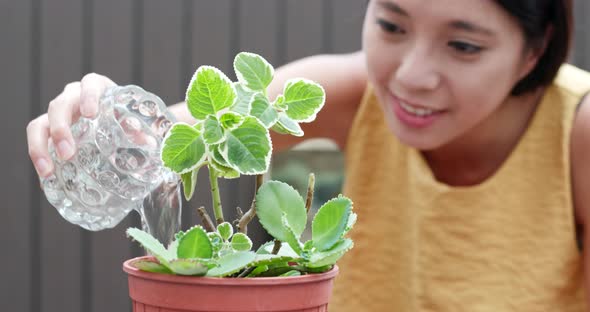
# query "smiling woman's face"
(442, 67)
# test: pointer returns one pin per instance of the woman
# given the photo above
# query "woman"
(464, 158)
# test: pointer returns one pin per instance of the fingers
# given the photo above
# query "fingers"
(92, 87)
(61, 111)
(37, 138)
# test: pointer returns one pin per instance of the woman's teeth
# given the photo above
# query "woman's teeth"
(420, 112)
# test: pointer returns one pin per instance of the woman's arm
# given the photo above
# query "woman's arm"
(580, 155)
(343, 78)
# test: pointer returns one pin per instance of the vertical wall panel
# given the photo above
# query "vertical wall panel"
(15, 186)
(304, 28)
(346, 28)
(161, 48)
(112, 53)
(61, 62)
(581, 45)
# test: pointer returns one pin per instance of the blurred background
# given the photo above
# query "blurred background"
(50, 265)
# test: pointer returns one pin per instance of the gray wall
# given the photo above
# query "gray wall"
(50, 265)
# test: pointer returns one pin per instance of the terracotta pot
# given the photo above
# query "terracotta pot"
(173, 293)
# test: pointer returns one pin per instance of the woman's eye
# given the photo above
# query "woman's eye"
(389, 27)
(465, 48)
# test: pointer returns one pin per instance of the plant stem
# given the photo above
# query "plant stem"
(249, 215)
(216, 198)
(205, 219)
(310, 188)
(276, 247)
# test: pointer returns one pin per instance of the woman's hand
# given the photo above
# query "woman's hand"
(78, 98)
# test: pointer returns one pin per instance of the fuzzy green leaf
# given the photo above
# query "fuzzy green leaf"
(304, 99)
(183, 149)
(279, 103)
(152, 245)
(241, 242)
(292, 238)
(188, 267)
(209, 92)
(225, 230)
(213, 132)
(263, 110)
(244, 101)
(286, 125)
(330, 221)
(351, 222)
(216, 242)
(258, 270)
(253, 71)
(272, 200)
(291, 273)
(329, 257)
(151, 266)
(231, 120)
(222, 171)
(189, 182)
(195, 244)
(270, 259)
(232, 263)
(248, 148)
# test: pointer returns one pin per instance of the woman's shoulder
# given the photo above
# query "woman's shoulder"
(574, 80)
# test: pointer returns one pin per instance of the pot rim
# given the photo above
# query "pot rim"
(205, 280)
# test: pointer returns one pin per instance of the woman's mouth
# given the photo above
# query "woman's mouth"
(413, 116)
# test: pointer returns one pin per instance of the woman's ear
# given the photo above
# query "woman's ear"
(534, 53)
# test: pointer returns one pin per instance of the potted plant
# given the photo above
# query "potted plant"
(212, 267)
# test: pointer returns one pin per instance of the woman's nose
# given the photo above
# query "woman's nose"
(417, 70)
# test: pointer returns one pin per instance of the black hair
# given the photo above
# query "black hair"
(535, 18)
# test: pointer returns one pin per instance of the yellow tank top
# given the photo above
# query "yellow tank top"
(507, 244)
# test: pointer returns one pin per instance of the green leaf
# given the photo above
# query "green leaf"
(231, 120)
(183, 149)
(292, 238)
(248, 148)
(225, 230)
(241, 242)
(262, 110)
(351, 222)
(253, 71)
(173, 248)
(308, 246)
(258, 270)
(188, 267)
(330, 221)
(291, 273)
(304, 99)
(216, 242)
(232, 263)
(272, 200)
(279, 103)
(189, 181)
(195, 244)
(286, 125)
(270, 260)
(223, 171)
(152, 245)
(329, 257)
(244, 100)
(213, 133)
(209, 92)
(151, 266)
